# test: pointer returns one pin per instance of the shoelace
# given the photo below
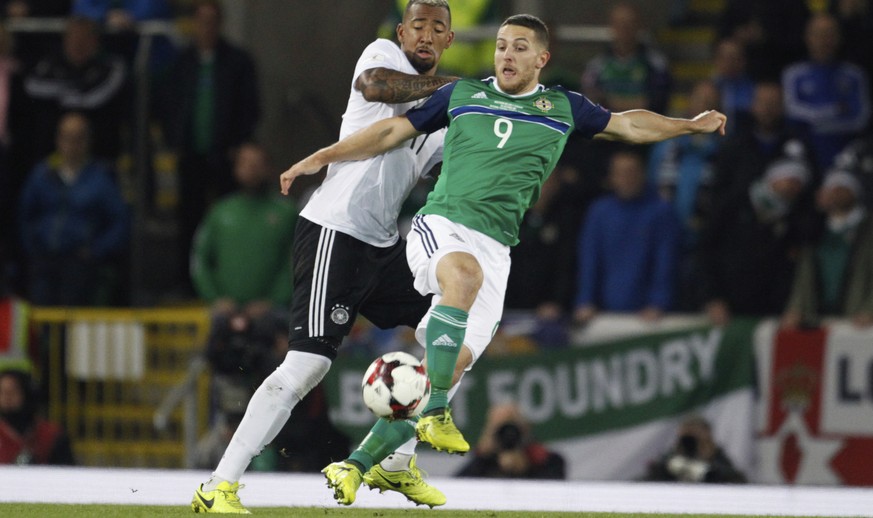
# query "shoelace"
(232, 497)
(418, 474)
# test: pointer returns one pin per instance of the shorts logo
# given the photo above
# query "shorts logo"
(339, 315)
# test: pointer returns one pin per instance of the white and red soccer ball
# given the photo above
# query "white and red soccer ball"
(395, 386)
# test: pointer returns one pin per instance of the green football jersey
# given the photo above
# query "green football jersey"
(499, 150)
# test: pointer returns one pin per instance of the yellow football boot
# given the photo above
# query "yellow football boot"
(223, 499)
(344, 478)
(441, 433)
(410, 483)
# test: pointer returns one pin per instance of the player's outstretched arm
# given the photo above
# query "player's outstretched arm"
(373, 140)
(385, 85)
(645, 127)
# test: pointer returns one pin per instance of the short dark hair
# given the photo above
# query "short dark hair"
(541, 31)
(86, 23)
(433, 3)
(212, 4)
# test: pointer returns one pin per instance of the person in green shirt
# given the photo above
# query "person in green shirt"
(241, 256)
(504, 136)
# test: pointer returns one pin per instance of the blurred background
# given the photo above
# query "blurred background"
(745, 306)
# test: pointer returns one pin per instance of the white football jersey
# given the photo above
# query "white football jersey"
(363, 198)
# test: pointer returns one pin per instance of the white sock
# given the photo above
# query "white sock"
(268, 411)
(399, 460)
(213, 483)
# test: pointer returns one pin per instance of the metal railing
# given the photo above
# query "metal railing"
(130, 386)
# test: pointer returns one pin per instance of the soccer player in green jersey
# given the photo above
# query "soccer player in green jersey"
(504, 136)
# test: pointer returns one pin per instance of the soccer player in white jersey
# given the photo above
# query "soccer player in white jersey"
(504, 137)
(348, 256)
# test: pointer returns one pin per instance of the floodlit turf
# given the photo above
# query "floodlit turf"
(127, 511)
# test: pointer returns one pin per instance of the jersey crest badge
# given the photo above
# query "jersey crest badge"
(543, 104)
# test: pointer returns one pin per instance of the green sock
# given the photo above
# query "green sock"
(445, 336)
(385, 437)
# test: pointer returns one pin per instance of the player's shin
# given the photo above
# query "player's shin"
(268, 411)
(445, 335)
(385, 437)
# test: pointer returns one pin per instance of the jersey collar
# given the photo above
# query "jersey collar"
(537, 89)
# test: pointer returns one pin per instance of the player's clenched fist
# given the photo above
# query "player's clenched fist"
(711, 121)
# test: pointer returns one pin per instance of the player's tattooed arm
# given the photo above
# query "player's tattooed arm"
(385, 85)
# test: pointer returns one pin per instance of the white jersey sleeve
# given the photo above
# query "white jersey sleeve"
(363, 198)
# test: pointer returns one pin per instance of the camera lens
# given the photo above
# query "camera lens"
(509, 436)
(688, 445)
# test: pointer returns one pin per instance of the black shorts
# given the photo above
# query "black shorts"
(336, 277)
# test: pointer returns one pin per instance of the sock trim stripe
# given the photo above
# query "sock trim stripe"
(447, 319)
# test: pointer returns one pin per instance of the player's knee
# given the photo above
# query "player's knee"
(300, 372)
(461, 275)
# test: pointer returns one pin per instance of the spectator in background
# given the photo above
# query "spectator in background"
(745, 155)
(735, 86)
(682, 168)
(856, 25)
(211, 106)
(771, 33)
(682, 171)
(857, 159)
(544, 261)
(629, 74)
(628, 248)
(34, 8)
(695, 457)
(31, 46)
(241, 258)
(73, 222)
(85, 78)
(9, 183)
(827, 99)
(25, 437)
(508, 449)
(748, 246)
(8, 67)
(122, 15)
(835, 274)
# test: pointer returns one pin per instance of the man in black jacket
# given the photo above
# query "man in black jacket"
(695, 457)
(211, 105)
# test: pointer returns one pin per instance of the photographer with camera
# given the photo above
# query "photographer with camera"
(507, 449)
(695, 457)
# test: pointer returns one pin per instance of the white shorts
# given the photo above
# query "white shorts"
(431, 238)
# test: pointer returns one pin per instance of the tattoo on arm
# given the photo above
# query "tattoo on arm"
(390, 86)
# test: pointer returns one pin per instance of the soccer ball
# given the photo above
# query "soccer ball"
(395, 386)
